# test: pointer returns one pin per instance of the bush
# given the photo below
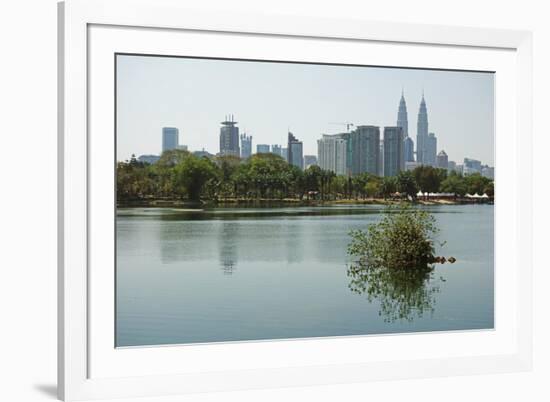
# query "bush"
(404, 238)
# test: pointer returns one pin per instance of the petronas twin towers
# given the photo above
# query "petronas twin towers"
(425, 142)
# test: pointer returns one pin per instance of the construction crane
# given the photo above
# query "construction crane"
(345, 123)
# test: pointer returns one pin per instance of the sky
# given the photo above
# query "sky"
(269, 98)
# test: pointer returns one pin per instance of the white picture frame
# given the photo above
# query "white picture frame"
(89, 367)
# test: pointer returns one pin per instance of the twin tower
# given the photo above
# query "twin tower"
(426, 143)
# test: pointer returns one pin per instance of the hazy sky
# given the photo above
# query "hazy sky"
(268, 98)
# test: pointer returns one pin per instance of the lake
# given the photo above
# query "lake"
(234, 274)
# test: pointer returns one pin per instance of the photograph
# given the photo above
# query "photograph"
(263, 200)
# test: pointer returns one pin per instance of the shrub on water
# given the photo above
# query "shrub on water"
(404, 238)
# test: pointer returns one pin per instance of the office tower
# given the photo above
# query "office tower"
(393, 151)
(310, 160)
(170, 138)
(295, 151)
(381, 159)
(471, 166)
(408, 149)
(451, 166)
(262, 149)
(277, 150)
(365, 150)
(246, 146)
(488, 171)
(284, 153)
(402, 119)
(332, 151)
(422, 132)
(229, 137)
(430, 154)
(442, 160)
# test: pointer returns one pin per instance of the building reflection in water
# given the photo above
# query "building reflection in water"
(228, 235)
(403, 294)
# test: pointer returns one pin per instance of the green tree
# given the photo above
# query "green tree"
(406, 183)
(429, 178)
(454, 183)
(389, 186)
(191, 175)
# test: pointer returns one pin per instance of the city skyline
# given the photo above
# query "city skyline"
(458, 125)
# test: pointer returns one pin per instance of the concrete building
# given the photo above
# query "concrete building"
(284, 153)
(246, 146)
(408, 149)
(277, 149)
(422, 132)
(430, 154)
(332, 153)
(229, 137)
(451, 166)
(472, 165)
(310, 160)
(364, 150)
(295, 151)
(150, 159)
(411, 165)
(262, 149)
(393, 151)
(442, 160)
(170, 138)
(488, 171)
(381, 158)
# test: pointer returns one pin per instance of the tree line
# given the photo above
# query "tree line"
(181, 175)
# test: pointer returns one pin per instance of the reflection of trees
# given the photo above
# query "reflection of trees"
(403, 293)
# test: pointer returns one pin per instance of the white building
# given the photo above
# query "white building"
(332, 153)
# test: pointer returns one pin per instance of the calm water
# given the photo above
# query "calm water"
(247, 274)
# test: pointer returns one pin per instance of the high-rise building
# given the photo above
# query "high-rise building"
(332, 151)
(471, 166)
(442, 160)
(295, 151)
(284, 153)
(246, 146)
(364, 150)
(451, 166)
(309, 160)
(170, 138)
(393, 151)
(422, 132)
(488, 171)
(402, 118)
(277, 149)
(262, 148)
(408, 149)
(229, 137)
(430, 153)
(381, 159)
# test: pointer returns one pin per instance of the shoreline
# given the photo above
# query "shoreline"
(170, 203)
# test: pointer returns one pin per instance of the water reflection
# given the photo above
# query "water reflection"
(403, 294)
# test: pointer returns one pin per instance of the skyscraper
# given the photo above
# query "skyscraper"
(365, 150)
(246, 146)
(332, 152)
(170, 138)
(229, 137)
(431, 150)
(262, 148)
(403, 122)
(402, 119)
(408, 149)
(393, 151)
(295, 151)
(421, 132)
(442, 160)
